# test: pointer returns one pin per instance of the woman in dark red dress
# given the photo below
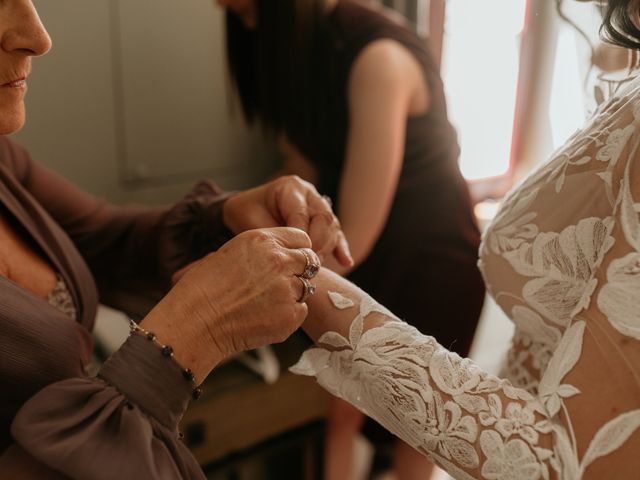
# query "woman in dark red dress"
(358, 107)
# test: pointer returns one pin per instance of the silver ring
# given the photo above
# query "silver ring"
(311, 269)
(307, 289)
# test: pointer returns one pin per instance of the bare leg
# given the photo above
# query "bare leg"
(409, 464)
(343, 425)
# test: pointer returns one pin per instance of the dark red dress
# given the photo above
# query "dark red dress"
(423, 266)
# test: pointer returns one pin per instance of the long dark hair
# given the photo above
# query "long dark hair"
(272, 68)
(618, 26)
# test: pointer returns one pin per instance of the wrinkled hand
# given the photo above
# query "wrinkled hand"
(243, 296)
(289, 201)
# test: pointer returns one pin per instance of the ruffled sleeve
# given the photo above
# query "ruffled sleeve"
(132, 250)
(122, 424)
(193, 227)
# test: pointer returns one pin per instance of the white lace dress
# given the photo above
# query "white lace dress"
(562, 259)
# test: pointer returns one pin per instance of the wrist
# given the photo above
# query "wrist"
(188, 339)
(167, 352)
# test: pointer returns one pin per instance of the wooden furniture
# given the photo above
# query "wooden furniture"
(240, 419)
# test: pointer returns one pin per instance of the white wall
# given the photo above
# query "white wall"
(132, 101)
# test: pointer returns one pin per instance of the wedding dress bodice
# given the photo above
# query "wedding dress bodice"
(562, 260)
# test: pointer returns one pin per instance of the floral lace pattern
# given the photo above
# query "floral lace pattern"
(60, 298)
(562, 259)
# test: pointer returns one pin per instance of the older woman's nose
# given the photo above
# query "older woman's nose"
(26, 33)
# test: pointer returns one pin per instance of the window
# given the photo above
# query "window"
(572, 81)
(519, 82)
(480, 71)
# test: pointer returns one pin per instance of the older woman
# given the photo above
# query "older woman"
(55, 240)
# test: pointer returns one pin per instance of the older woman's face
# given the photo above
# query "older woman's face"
(22, 36)
(245, 9)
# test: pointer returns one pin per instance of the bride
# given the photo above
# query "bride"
(562, 259)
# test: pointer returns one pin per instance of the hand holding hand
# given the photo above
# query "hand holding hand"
(243, 296)
(292, 202)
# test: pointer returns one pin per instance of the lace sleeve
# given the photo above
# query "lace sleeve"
(473, 424)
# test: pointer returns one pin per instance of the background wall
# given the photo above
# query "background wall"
(416, 11)
(132, 102)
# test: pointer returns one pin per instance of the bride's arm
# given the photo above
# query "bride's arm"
(473, 424)
(444, 406)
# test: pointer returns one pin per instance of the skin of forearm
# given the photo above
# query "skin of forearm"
(323, 315)
(186, 334)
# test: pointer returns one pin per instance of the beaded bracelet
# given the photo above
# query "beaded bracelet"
(166, 352)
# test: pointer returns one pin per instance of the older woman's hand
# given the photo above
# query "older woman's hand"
(243, 296)
(292, 202)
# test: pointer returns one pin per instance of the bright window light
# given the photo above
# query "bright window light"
(567, 110)
(573, 79)
(480, 71)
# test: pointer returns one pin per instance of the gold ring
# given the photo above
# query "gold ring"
(311, 269)
(307, 289)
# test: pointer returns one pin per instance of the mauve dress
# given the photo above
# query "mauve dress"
(424, 265)
(124, 422)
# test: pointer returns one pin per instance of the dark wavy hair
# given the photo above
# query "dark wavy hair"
(274, 68)
(618, 26)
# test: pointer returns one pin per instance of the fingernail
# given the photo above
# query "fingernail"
(348, 251)
(351, 260)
